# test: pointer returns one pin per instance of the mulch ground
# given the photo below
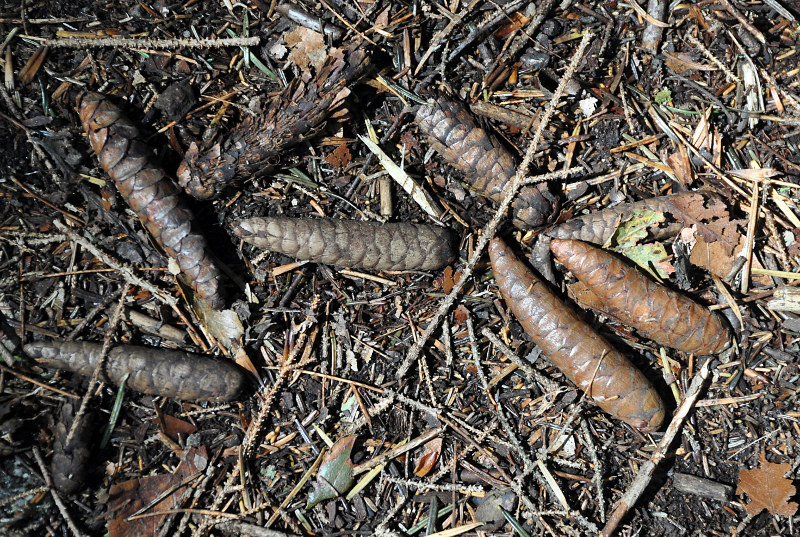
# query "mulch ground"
(707, 101)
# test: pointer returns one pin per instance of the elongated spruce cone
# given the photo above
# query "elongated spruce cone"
(257, 143)
(70, 460)
(152, 195)
(585, 357)
(486, 164)
(654, 310)
(176, 374)
(350, 243)
(598, 226)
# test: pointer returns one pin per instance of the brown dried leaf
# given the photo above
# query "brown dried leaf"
(681, 62)
(340, 157)
(427, 460)
(768, 489)
(130, 496)
(308, 48)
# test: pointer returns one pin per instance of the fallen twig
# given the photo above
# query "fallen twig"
(646, 470)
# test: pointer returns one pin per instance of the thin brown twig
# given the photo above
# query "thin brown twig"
(646, 470)
(511, 190)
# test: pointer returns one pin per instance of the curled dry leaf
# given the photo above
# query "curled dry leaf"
(177, 374)
(655, 311)
(150, 193)
(768, 489)
(350, 243)
(130, 496)
(486, 164)
(430, 455)
(584, 357)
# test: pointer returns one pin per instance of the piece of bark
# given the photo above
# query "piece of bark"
(586, 358)
(351, 243)
(654, 310)
(176, 374)
(152, 195)
(700, 486)
(70, 460)
(486, 164)
(256, 144)
(785, 299)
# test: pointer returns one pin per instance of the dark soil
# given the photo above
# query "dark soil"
(348, 333)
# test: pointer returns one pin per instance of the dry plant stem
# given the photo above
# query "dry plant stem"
(443, 34)
(547, 383)
(491, 227)
(498, 409)
(244, 528)
(651, 37)
(746, 24)
(598, 468)
(646, 470)
(56, 497)
(144, 43)
(125, 271)
(100, 364)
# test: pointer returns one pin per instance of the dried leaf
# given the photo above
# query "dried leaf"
(130, 496)
(224, 325)
(768, 489)
(427, 460)
(308, 48)
(340, 157)
(335, 473)
(633, 229)
(681, 62)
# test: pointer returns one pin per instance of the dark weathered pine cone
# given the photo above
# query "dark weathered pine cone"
(597, 227)
(176, 374)
(70, 461)
(153, 196)
(350, 243)
(256, 144)
(486, 164)
(655, 311)
(583, 355)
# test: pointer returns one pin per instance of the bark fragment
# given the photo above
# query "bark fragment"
(176, 374)
(588, 360)
(350, 243)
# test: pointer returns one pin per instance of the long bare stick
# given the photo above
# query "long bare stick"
(645, 474)
(511, 191)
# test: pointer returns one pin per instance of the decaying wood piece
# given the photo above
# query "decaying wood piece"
(588, 360)
(176, 374)
(655, 311)
(486, 164)
(350, 243)
(153, 196)
(597, 227)
(256, 144)
(70, 460)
